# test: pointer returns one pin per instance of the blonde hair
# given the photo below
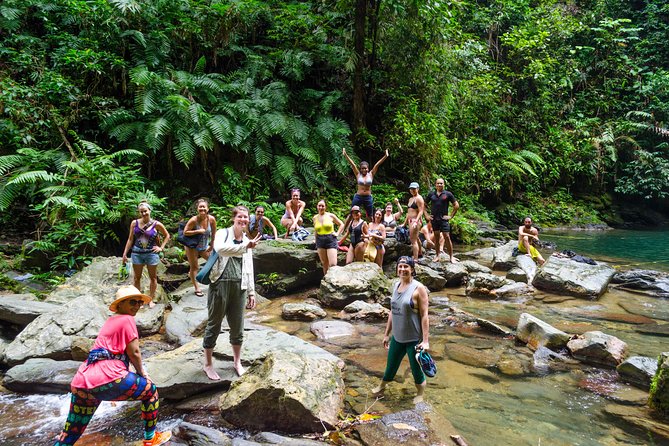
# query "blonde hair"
(144, 204)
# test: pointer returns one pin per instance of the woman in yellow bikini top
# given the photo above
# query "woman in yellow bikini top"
(326, 238)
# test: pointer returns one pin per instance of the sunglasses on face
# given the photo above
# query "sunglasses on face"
(134, 302)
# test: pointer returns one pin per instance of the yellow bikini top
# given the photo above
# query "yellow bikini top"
(323, 225)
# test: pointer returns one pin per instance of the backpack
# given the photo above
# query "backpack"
(402, 235)
(300, 235)
(190, 241)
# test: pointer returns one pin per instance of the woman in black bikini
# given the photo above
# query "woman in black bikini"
(414, 218)
(358, 232)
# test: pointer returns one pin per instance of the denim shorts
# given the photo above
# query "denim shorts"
(145, 258)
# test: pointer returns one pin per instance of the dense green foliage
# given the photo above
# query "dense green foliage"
(237, 100)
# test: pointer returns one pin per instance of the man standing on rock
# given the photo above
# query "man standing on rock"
(528, 234)
(440, 218)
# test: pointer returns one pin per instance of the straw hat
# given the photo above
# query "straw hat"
(127, 292)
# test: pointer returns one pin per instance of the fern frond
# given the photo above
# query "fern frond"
(32, 177)
(220, 127)
(9, 162)
(285, 167)
(200, 66)
(62, 201)
(203, 139)
(185, 150)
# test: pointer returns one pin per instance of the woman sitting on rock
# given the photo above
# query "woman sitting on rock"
(257, 224)
(377, 235)
(106, 375)
(292, 218)
(409, 325)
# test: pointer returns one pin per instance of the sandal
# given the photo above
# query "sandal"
(199, 293)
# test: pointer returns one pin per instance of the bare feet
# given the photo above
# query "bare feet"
(211, 373)
(437, 259)
(378, 390)
(418, 399)
(239, 369)
(454, 260)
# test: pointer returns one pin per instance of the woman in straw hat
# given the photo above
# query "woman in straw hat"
(106, 375)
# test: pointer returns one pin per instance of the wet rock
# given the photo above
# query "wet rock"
(430, 278)
(395, 250)
(482, 285)
(514, 365)
(327, 330)
(638, 370)
(41, 376)
(472, 356)
(641, 418)
(492, 327)
(557, 299)
(547, 361)
(504, 259)
(513, 291)
(625, 318)
(658, 400)
(196, 435)
(537, 333)
(565, 276)
(293, 392)
(628, 395)
(597, 348)
(653, 329)
(527, 265)
(296, 265)
(484, 256)
(22, 309)
(272, 438)
(356, 281)
(657, 283)
(409, 427)
(302, 312)
(655, 310)
(51, 334)
(474, 267)
(517, 275)
(360, 310)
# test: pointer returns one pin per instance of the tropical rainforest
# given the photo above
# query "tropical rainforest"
(554, 107)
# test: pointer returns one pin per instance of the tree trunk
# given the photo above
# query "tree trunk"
(358, 76)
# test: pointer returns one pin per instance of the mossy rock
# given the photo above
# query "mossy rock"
(658, 398)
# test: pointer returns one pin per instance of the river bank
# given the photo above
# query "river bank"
(472, 390)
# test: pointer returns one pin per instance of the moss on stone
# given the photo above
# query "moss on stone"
(658, 398)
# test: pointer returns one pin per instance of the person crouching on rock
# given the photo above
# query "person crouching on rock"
(409, 324)
(105, 376)
(232, 287)
(527, 236)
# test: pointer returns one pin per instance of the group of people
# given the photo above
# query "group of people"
(106, 374)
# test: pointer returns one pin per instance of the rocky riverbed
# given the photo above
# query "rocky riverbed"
(503, 331)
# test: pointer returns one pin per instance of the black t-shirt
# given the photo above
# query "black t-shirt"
(440, 202)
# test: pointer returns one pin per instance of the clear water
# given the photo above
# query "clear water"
(624, 248)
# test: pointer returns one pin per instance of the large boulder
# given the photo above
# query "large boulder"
(658, 400)
(527, 265)
(482, 284)
(503, 258)
(149, 320)
(289, 392)
(41, 375)
(595, 347)
(395, 250)
(327, 330)
(51, 335)
(513, 291)
(355, 281)
(565, 276)
(484, 256)
(286, 258)
(638, 370)
(188, 316)
(655, 283)
(22, 309)
(100, 280)
(517, 275)
(537, 333)
(474, 267)
(430, 278)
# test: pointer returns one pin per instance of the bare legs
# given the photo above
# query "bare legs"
(209, 369)
(209, 365)
(193, 255)
(413, 236)
(328, 258)
(153, 279)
